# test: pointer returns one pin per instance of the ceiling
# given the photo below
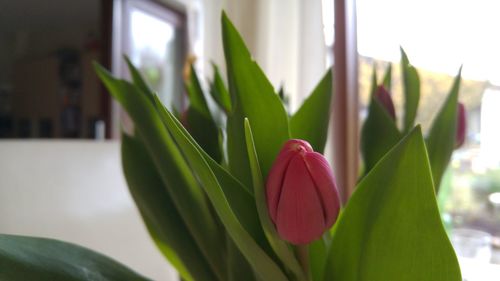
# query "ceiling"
(39, 15)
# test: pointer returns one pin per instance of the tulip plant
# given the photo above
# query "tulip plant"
(380, 130)
(262, 204)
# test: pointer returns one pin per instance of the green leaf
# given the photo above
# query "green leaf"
(253, 97)
(441, 139)
(30, 258)
(391, 229)
(378, 135)
(310, 122)
(263, 265)
(163, 221)
(205, 132)
(411, 85)
(137, 78)
(237, 265)
(239, 198)
(196, 96)
(387, 78)
(219, 91)
(182, 186)
(379, 132)
(200, 122)
(280, 247)
(318, 251)
(199, 118)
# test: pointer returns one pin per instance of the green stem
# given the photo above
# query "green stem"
(302, 252)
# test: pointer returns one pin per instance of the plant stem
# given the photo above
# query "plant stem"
(302, 252)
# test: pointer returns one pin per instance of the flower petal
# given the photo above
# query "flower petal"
(325, 185)
(294, 144)
(276, 175)
(300, 218)
(275, 181)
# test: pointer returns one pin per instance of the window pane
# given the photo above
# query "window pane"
(156, 45)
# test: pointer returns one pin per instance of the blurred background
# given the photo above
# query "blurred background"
(60, 173)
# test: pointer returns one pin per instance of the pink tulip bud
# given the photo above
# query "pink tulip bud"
(302, 196)
(384, 97)
(461, 125)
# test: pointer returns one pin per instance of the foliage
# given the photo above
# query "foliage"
(211, 221)
(379, 132)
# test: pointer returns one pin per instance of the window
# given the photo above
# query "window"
(155, 39)
(438, 37)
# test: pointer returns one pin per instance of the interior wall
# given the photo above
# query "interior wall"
(312, 50)
(279, 44)
(75, 191)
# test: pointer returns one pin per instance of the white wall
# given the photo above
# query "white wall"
(75, 191)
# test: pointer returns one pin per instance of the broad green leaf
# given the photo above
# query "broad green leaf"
(280, 247)
(200, 122)
(205, 132)
(199, 118)
(378, 135)
(29, 258)
(262, 264)
(390, 229)
(387, 78)
(318, 251)
(311, 121)
(182, 186)
(137, 78)
(196, 95)
(219, 91)
(240, 199)
(441, 139)
(237, 265)
(163, 221)
(411, 85)
(253, 97)
(379, 132)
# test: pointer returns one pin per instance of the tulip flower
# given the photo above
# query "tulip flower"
(384, 97)
(302, 196)
(461, 125)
